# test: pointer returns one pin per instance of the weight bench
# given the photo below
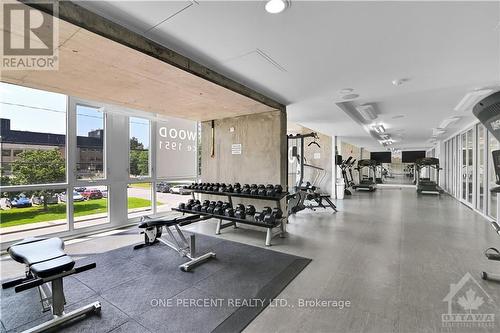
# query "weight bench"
(153, 231)
(46, 262)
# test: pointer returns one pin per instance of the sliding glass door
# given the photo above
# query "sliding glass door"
(467, 167)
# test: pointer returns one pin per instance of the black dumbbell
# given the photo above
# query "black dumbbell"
(250, 210)
(269, 219)
(261, 191)
(260, 216)
(229, 212)
(213, 203)
(254, 191)
(197, 208)
(277, 212)
(240, 207)
(226, 205)
(222, 189)
(218, 210)
(237, 185)
(182, 206)
(210, 209)
(240, 213)
(270, 191)
(189, 206)
(191, 202)
(206, 202)
(253, 186)
(230, 189)
(219, 204)
(204, 209)
(278, 189)
(245, 190)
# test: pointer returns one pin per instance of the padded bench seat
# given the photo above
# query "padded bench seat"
(162, 222)
(44, 256)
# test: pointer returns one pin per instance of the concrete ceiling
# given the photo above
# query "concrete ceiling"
(305, 55)
(95, 68)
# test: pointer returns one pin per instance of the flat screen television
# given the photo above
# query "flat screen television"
(381, 156)
(412, 156)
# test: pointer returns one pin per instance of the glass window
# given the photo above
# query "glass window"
(89, 142)
(33, 126)
(464, 166)
(31, 213)
(90, 206)
(5, 152)
(139, 199)
(139, 132)
(170, 194)
(493, 145)
(176, 141)
(480, 166)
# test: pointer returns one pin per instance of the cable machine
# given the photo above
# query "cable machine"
(306, 195)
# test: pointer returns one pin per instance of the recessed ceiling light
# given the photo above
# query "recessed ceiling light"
(350, 96)
(398, 82)
(398, 116)
(276, 6)
(345, 91)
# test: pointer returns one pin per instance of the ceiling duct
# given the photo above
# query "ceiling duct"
(437, 132)
(367, 112)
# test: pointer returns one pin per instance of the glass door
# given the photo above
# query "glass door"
(467, 167)
(481, 179)
(463, 165)
(470, 167)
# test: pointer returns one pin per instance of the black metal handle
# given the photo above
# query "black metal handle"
(85, 267)
(28, 285)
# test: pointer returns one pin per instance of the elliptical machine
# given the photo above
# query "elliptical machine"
(488, 112)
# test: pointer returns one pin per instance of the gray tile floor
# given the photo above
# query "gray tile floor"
(391, 254)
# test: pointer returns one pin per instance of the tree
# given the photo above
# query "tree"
(139, 162)
(135, 144)
(139, 158)
(39, 167)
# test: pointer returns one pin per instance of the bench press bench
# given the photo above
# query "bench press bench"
(45, 262)
(153, 229)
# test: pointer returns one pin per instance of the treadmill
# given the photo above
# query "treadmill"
(426, 185)
(487, 111)
(367, 183)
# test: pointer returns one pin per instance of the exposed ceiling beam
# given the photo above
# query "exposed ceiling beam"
(81, 17)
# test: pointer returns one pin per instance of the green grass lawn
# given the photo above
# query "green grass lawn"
(141, 185)
(18, 216)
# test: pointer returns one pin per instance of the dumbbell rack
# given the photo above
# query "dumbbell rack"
(281, 223)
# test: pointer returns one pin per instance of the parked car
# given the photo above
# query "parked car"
(38, 200)
(5, 203)
(76, 197)
(104, 193)
(80, 189)
(179, 189)
(20, 201)
(162, 187)
(92, 194)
